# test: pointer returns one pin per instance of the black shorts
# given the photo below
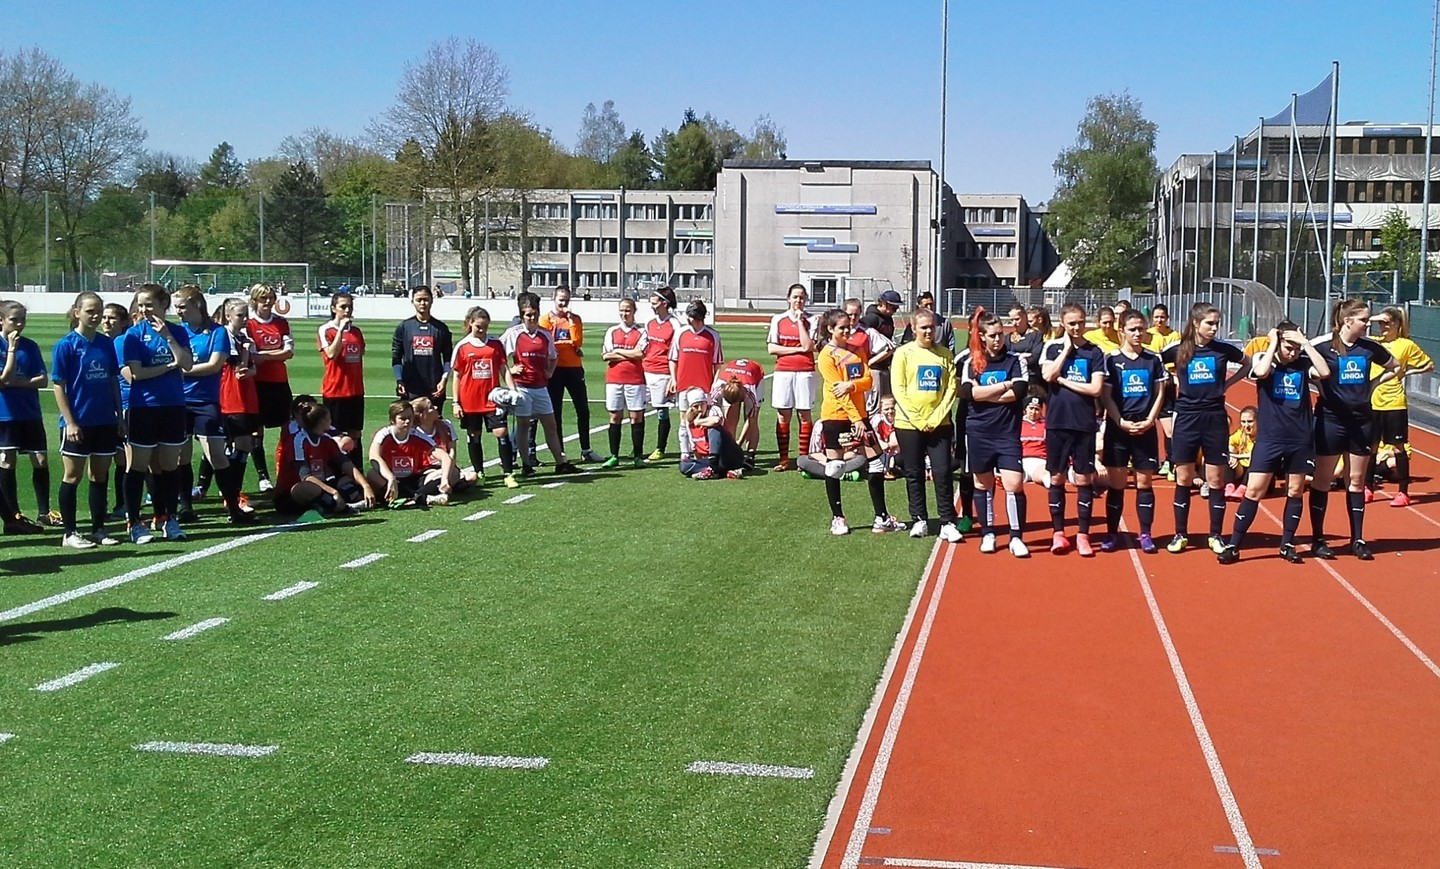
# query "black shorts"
(1282, 459)
(24, 435)
(241, 424)
(1392, 426)
(274, 403)
(150, 427)
(1338, 435)
(347, 414)
(473, 422)
(984, 454)
(1198, 434)
(1122, 449)
(205, 421)
(95, 440)
(831, 431)
(1067, 447)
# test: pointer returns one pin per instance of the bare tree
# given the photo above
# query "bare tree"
(325, 152)
(465, 80)
(602, 133)
(766, 140)
(32, 83)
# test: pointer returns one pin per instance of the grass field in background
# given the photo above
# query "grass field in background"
(622, 626)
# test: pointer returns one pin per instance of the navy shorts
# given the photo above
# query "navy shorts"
(241, 424)
(150, 427)
(1337, 435)
(23, 435)
(984, 454)
(1282, 459)
(1198, 434)
(1067, 447)
(1121, 449)
(95, 440)
(274, 403)
(205, 421)
(1392, 426)
(347, 414)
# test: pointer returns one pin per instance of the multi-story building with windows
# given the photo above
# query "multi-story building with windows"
(1000, 242)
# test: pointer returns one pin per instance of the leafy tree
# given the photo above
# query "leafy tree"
(687, 158)
(327, 153)
(222, 171)
(1399, 246)
(165, 176)
(602, 133)
(32, 86)
(1099, 214)
(232, 232)
(633, 166)
(298, 218)
(727, 140)
(766, 140)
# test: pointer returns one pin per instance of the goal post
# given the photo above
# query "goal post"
(292, 281)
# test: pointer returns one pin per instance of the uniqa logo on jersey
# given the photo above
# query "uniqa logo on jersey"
(1352, 370)
(1078, 371)
(1202, 370)
(96, 370)
(1287, 386)
(853, 370)
(1136, 384)
(929, 380)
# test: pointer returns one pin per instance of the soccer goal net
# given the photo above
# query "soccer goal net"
(292, 282)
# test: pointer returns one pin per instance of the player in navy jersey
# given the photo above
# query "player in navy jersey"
(1133, 401)
(420, 352)
(84, 375)
(996, 380)
(1344, 421)
(1075, 370)
(22, 429)
(1282, 374)
(1202, 427)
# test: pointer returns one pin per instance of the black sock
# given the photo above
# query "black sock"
(1319, 500)
(1244, 518)
(875, 481)
(8, 492)
(981, 500)
(67, 505)
(662, 431)
(99, 497)
(1084, 503)
(1182, 508)
(134, 497)
(40, 480)
(229, 482)
(474, 444)
(832, 494)
(637, 438)
(1114, 508)
(1056, 494)
(965, 487)
(1402, 469)
(237, 464)
(507, 455)
(1145, 506)
(1017, 504)
(614, 438)
(118, 475)
(1217, 511)
(202, 479)
(1356, 502)
(257, 455)
(184, 482)
(1294, 508)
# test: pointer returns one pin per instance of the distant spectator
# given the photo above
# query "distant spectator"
(944, 332)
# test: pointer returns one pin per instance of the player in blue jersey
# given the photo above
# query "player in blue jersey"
(1134, 400)
(84, 374)
(1345, 422)
(996, 380)
(114, 320)
(156, 356)
(1074, 369)
(22, 430)
(1282, 374)
(1202, 427)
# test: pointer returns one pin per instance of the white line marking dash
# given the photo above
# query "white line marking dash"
(949, 864)
(6, 737)
(518, 499)
(363, 560)
(553, 485)
(427, 535)
(291, 591)
(719, 767)
(483, 514)
(456, 758)
(214, 749)
(76, 677)
(198, 627)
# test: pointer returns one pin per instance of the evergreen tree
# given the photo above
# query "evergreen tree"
(222, 171)
(298, 217)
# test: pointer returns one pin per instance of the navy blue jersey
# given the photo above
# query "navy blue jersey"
(1134, 383)
(1031, 342)
(423, 351)
(87, 369)
(1283, 403)
(118, 342)
(1201, 383)
(994, 419)
(19, 403)
(145, 347)
(1069, 409)
(1347, 390)
(214, 339)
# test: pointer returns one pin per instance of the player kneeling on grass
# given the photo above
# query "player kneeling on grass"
(440, 430)
(707, 450)
(321, 476)
(405, 465)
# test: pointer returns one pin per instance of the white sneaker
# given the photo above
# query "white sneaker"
(75, 541)
(592, 456)
(838, 526)
(266, 485)
(987, 543)
(1204, 490)
(1018, 548)
(834, 468)
(439, 500)
(920, 528)
(950, 534)
(886, 525)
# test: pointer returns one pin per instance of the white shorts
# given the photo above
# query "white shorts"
(793, 389)
(625, 396)
(658, 384)
(1035, 470)
(533, 401)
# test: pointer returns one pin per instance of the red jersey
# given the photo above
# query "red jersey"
(444, 438)
(659, 335)
(630, 372)
(699, 441)
(271, 334)
(1032, 439)
(697, 356)
(788, 330)
(533, 352)
(237, 396)
(747, 371)
(478, 367)
(322, 456)
(345, 374)
(404, 458)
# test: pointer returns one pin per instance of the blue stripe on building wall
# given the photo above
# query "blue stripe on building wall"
(1279, 216)
(825, 209)
(816, 247)
(805, 240)
(1392, 131)
(993, 232)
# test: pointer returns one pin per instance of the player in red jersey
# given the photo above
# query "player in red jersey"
(623, 351)
(274, 346)
(430, 423)
(318, 472)
(532, 361)
(239, 402)
(696, 353)
(405, 465)
(748, 376)
(342, 349)
(791, 341)
(478, 367)
(659, 335)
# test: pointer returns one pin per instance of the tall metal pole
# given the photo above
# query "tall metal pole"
(1259, 170)
(47, 241)
(374, 250)
(1195, 279)
(1290, 202)
(1214, 194)
(1429, 151)
(939, 248)
(1330, 212)
(150, 269)
(262, 238)
(1234, 194)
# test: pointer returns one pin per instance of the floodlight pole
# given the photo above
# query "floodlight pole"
(1259, 171)
(1330, 212)
(151, 275)
(1234, 192)
(1429, 151)
(47, 241)
(939, 250)
(262, 238)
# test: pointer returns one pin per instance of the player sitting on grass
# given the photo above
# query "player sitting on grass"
(440, 430)
(320, 475)
(405, 465)
(707, 450)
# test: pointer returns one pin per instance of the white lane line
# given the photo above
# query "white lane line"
(291, 591)
(76, 677)
(1243, 842)
(363, 560)
(954, 864)
(553, 485)
(518, 499)
(198, 627)
(456, 758)
(214, 749)
(483, 514)
(427, 535)
(139, 573)
(6, 737)
(760, 770)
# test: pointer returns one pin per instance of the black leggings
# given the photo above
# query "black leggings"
(571, 380)
(914, 447)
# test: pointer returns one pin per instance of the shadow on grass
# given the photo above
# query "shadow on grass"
(24, 632)
(54, 561)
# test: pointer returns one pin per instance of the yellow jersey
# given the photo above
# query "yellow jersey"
(1390, 395)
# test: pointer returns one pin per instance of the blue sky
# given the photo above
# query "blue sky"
(845, 79)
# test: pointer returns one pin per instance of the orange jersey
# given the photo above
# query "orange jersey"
(569, 335)
(837, 365)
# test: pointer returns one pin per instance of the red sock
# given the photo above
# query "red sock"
(805, 427)
(782, 438)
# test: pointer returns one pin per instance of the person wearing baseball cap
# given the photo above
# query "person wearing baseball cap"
(881, 318)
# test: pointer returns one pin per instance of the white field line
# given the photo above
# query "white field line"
(954, 864)
(139, 573)
(213, 749)
(553, 485)
(1243, 842)
(456, 758)
(364, 560)
(518, 499)
(426, 535)
(290, 591)
(867, 724)
(483, 514)
(758, 770)
(76, 677)
(198, 627)
(6, 737)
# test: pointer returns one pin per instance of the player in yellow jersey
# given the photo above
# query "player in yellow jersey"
(1389, 400)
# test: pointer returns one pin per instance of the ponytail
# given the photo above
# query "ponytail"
(977, 345)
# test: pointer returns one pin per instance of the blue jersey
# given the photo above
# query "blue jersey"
(86, 369)
(994, 419)
(118, 342)
(206, 389)
(1347, 390)
(18, 403)
(1068, 409)
(1283, 404)
(1201, 381)
(145, 347)
(1134, 383)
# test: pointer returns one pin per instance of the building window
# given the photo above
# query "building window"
(645, 245)
(550, 244)
(702, 246)
(596, 211)
(645, 211)
(548, 210)
(595, 280)
(546, 279)
(597, 245)
(686, 281)
(693, 211)
(824, 291)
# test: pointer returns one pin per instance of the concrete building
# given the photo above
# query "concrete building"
(1000, 241)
